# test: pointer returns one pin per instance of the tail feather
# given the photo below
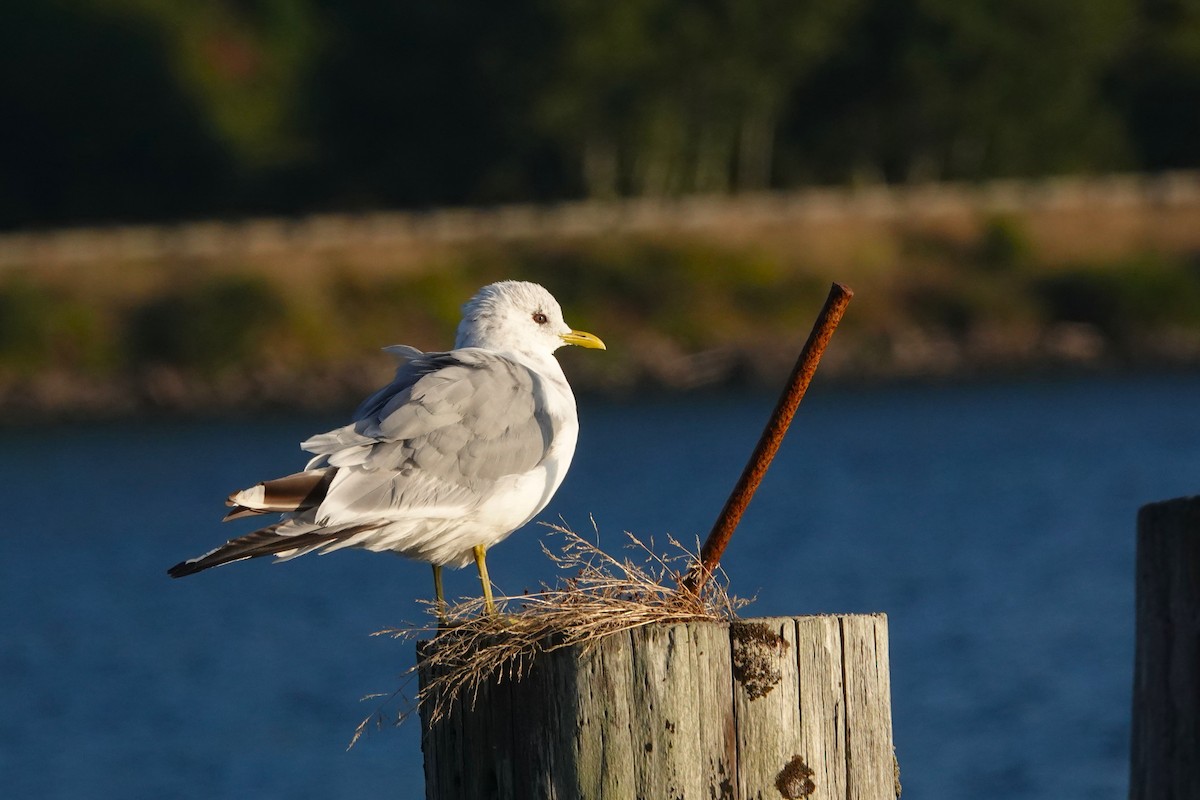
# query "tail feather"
(298, 492)
(264, 542)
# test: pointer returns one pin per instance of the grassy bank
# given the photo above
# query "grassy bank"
(679, 310)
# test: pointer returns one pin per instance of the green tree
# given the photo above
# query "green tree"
(660, 97)
(159, 109)
(244, 62)
(942, 89)
(416, 102)
(95, 125)
(1157, 85)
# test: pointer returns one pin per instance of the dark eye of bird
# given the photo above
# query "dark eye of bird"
(539, 318)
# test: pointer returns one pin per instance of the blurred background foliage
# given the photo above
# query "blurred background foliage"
(144, 111)
(165, 109)
(677, 312)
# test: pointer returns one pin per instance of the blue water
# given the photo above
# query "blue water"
(993, 524)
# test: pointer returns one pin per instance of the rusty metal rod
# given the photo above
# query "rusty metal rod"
(772, 436)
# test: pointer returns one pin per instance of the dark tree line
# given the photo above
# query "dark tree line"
(162, 109)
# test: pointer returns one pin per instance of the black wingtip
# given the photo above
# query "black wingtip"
(182, 569)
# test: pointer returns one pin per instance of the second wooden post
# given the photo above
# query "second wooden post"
(1165, 762)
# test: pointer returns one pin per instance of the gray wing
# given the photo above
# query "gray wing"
(436, 439)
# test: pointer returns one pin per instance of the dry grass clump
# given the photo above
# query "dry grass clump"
(604, 595)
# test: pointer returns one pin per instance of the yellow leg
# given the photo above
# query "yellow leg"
(481, 564)
(437, 593)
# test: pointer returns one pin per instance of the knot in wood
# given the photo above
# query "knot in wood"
(795, 780)
(757, 651)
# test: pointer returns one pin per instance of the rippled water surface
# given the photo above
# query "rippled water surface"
(993, 524)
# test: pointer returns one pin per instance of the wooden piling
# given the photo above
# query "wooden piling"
(768, 708)
(1165, 758)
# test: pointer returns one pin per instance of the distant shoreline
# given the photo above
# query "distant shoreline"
(64, 398)
(951, 282)
(1076, 210)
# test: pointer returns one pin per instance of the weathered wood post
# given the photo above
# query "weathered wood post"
(784, 707)
(1165, 758)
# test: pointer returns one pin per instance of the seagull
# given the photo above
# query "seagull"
(461, 449)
